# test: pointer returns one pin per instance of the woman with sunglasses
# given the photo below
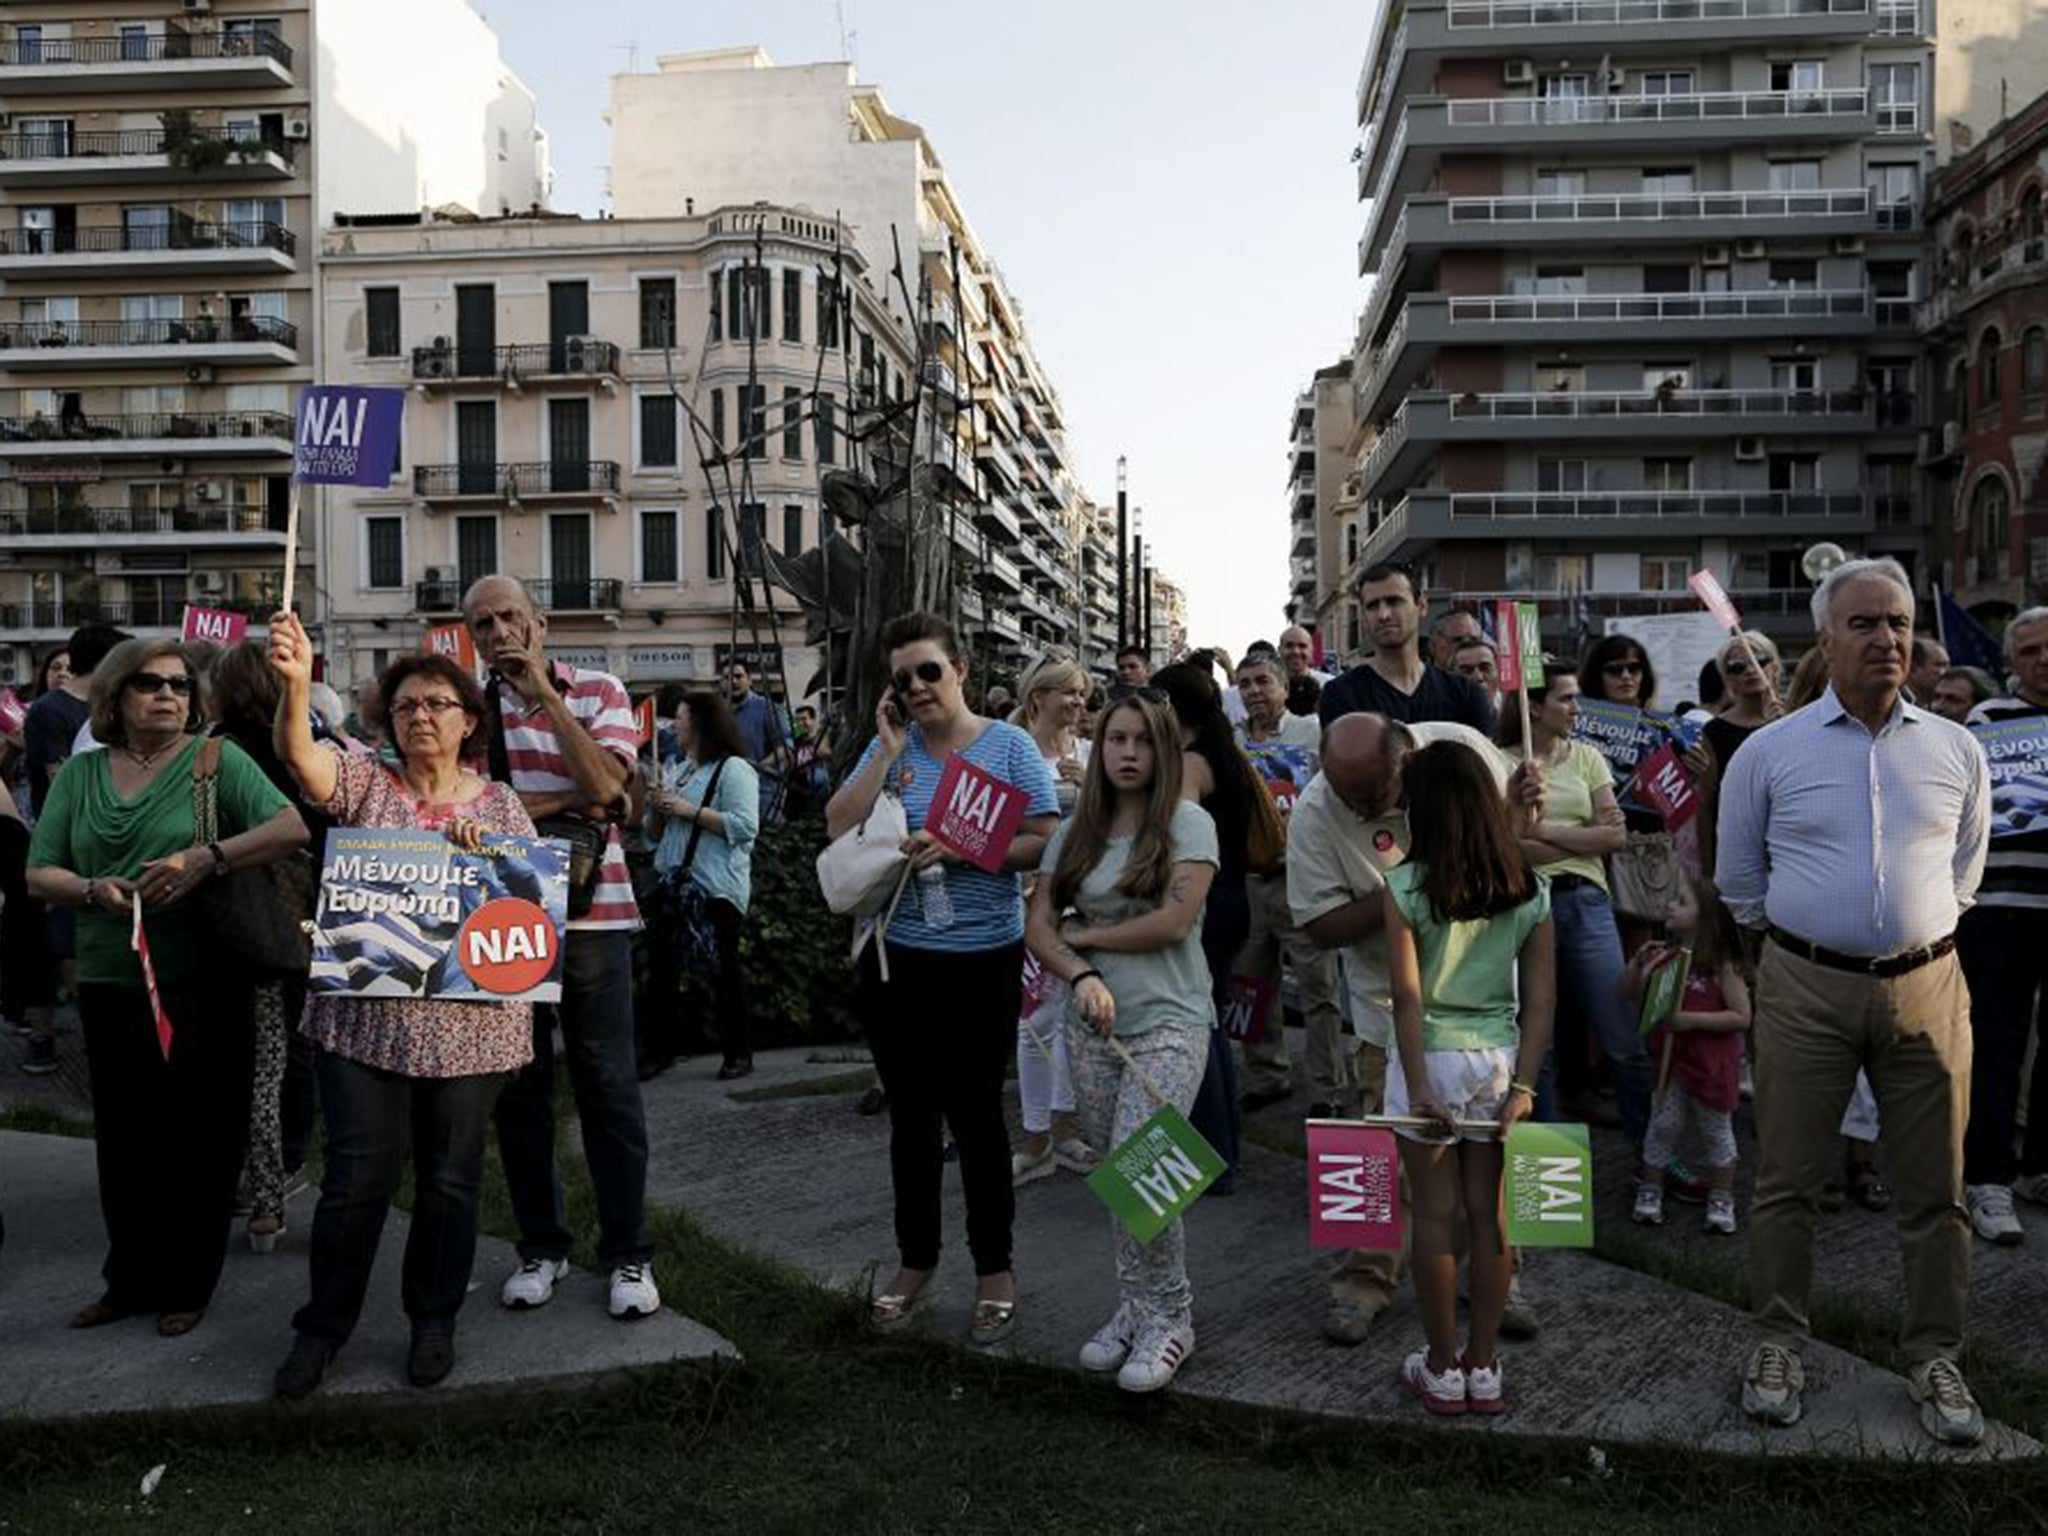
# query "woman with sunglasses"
(170, 1113)
(943, 1023)
(1749, 667)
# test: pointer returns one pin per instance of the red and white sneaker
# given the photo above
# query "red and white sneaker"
(1156, 1357)
(1441, 1393)
(1483, 1392)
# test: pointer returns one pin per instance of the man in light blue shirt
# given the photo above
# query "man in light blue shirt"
(1854, 832)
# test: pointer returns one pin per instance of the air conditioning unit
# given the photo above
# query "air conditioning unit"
(1951, 437)
(1518, 72)
(1749, 450)
(298, 128)
(199, 373)
(1848, 245)
(6, 120)
(209, 582)
(210, 490)
(1750, 250)
(441, 575)
(578, 352)
(1714, 256)
(436, 365)
(198, 7)
(1614, 78)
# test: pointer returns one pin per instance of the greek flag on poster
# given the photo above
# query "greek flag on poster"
(393, 901)
(2018, 752)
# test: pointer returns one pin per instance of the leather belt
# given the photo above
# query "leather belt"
(1883, 968)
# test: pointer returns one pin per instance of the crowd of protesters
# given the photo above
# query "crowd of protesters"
(1232, 883)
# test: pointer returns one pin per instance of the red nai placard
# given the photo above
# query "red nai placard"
(214, 626)
(1662, 783)
(975, 814)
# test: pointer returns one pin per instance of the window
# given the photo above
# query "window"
(1664, 82)
(827, 430)
(792, 304)
(1667, 277)
(1800, 374)
(660, 554)
(1990, 528)
(718, 418)
(715, 330)
(44, 138)
(476, 549)
(1560, 280)
(1563, 97)
(1561, 475)
(753, 536)
(1663, 181)
(746, 303)
(753, 413)
(384, 549)
(1667, 474)
(1890, 480)
(380, 315)
(134, 40)
(1892, 386)
(1564, 573)
(714, 544)
(1560, 378)
(657, 432)
(828, 313)
(657, 311)
(1799, 75)
(1795, 473)
(251, 220)
(1665, 573)
(792, 530)
(2034, 365)
(1988, 346)
(2032, 224)
(146, 227)
(1895, 97)
(1795, 175)
(792, 422)
(1667, 376)
(1796, 274)
(1894, 192)
(65, 311)
(1556, 183)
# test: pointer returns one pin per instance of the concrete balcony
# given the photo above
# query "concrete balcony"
(55, 620)
(1001, 464)
(1425, 422)
(573, 360)
(999, 523)
(160, 435)
(1991, 273)
(188, 247)
(999, 576)
(70, 346)
(136, 157)
(166, 61)
(1431, 321)
(203, 525)
(569, 481)
(1430, 224)
(1755, 604)
(1426, 518)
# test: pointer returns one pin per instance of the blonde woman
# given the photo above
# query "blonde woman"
(1054, 695)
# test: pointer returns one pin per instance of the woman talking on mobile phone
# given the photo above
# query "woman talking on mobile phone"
(943, 1023)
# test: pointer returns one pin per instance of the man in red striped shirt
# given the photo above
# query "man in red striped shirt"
(565, 739)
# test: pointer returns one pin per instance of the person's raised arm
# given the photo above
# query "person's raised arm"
(291, 733)
(853, 801)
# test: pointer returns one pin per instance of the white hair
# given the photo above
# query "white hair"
(2025, 616)
(328, 706)
(1855, 570)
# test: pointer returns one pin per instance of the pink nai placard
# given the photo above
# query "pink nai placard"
(214, 626)
(1707, 587)
(1354, 1187)
(1662, 783)
(1246, 1004)
(975, 814)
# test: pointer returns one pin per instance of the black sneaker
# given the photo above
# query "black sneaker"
(432, 1355)
(41, 1060)
(872, 1102)
(302, 1368)
(735, 1067)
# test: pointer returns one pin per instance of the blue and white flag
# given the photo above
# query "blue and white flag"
(2018, 753)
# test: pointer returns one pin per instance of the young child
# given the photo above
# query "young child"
(1704, 1038)
(1475, 991)
(1117, 915)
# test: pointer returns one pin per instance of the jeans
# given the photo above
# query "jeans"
(1276, 939)
(596, 1014)
(1589, 968)
(729, 986)
(941, 1028)
(377, 1122)
(1226, 922)
(2004, 951)
(168, 1135)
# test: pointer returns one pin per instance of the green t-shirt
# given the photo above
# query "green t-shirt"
(1568, 800)
(1469, 970)
(90, 830)
(1154, 986)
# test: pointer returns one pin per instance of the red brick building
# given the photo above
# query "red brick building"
(1987, 333)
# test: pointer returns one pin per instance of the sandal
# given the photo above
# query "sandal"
(892, 1311)
(993, 1321)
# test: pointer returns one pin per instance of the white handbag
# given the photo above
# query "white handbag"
(859, 870)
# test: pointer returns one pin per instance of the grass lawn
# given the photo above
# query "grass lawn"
(829, 1428)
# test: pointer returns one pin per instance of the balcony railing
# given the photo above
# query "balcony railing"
(519, 360)
(160, 424)
(553, 595)
(2023, 260)
(1750, 602)
(1761, 304)
(164, 612)
(510, 482)
(1578, 405)
(1498, 506)
(148, 333)
(220, 517)
(1578, 13)
(65, 145)
(1687, 107)
(151, 49)
(1634, 206)
(111, 239)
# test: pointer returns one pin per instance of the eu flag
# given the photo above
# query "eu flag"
(1967, 642)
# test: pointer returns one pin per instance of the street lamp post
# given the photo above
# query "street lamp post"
(1123, 533)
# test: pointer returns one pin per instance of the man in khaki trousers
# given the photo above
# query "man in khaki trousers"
(1853, 833)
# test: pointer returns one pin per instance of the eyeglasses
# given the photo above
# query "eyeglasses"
(405, 709)
(926, 672)
(1623, 669)
(157, 682)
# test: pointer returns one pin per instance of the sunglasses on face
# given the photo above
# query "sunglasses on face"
(157, 682)
(1623, 669)
(926, 672)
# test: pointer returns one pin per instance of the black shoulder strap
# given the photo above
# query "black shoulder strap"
(697, 826)
(501, 758)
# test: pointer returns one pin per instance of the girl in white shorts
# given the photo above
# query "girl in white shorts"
(1467, 919)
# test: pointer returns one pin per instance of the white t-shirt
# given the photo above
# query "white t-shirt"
(1336, 856)
(1233, 705)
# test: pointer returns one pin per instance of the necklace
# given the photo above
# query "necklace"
(146, 760)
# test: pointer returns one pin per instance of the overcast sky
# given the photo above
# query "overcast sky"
(1166, 184)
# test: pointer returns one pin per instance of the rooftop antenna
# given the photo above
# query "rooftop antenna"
(632, 52)
(848, 41)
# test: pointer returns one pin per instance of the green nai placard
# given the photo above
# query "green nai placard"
(1663, 989)
(1549, 1186)
(1157, 1174)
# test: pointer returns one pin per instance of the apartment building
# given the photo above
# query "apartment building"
(545, 438)
(1990, 58)
(1169, 620)
(1646, 278)
(1322, 498)
(730, 126)
(165, 166)
(1987, 336)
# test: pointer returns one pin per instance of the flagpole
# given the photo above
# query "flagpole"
(1940, 617)
(291, 544)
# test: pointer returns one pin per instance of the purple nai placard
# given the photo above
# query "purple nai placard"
(346, 434)
(1354, 1188)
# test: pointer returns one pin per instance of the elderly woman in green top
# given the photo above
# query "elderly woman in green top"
(117, 835)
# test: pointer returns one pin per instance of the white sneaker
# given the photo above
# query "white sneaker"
(1111, 1344)
(1076, 1156)
(1440, 1393)
(532, 1284)
(1484, 1392)
(2032, 1187)
(1947, 1410)
(1771, 1385)
(1026, 1169)
(1720, 1215)
(1649, 1208)
(1157, 1357)
(1990, 1208)
(633, 1291)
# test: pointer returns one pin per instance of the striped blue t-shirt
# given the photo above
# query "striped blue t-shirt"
(988, 910)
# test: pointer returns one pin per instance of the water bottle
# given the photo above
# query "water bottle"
(934, 898)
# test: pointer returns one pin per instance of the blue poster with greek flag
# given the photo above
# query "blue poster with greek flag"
(2018, 753)
(405, 913)
(1626, 736)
